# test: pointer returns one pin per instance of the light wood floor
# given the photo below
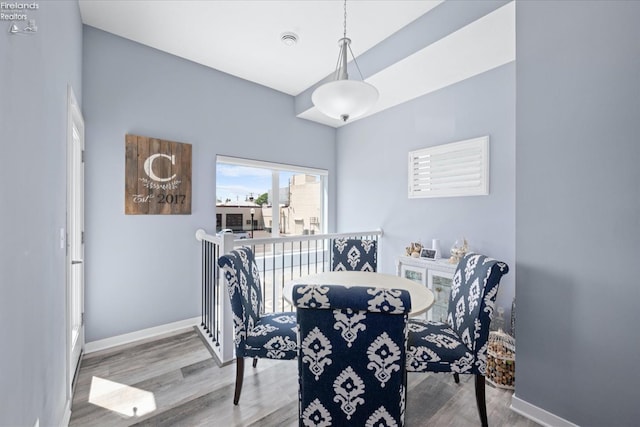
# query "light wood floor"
(174, 381)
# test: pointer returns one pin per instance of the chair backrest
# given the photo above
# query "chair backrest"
(354, 255)
(245, 291)
(351, 357)
(473, 296)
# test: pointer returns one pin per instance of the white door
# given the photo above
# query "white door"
(75, 236)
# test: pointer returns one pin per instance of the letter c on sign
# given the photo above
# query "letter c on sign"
(148, 167)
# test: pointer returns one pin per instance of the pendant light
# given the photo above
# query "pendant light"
(343, 98)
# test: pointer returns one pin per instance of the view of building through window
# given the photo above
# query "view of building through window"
(247, 205)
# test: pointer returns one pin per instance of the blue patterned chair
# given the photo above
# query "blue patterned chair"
(460, 345)
(351, 362)
(257, 335)
(354, 255)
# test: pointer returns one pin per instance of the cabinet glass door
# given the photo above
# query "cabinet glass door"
(413, 273)
(440, 284)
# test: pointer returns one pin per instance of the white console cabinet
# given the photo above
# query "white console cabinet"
(437, 275)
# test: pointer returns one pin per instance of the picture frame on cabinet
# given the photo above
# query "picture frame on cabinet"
(428, 253)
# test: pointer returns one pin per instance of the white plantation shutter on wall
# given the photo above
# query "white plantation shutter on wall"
(448, 170)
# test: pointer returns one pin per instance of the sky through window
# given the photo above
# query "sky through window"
(237, 183)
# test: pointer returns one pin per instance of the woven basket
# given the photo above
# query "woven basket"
(501, 360)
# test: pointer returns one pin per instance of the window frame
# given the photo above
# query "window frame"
(276, 168)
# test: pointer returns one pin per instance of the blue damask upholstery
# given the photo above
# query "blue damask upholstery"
(270, 336)
(351, 362)
(354, 255)
(460, 345)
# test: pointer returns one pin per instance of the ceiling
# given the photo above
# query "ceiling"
(243, 38)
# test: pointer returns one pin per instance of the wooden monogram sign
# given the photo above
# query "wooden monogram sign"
(157, 177)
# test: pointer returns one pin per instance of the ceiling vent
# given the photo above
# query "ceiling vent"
(289, 38)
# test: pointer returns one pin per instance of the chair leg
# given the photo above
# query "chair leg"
(480, 400)
(456, 377)
(255, 362)
(239, 378)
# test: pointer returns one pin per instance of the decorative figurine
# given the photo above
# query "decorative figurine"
(413, 250)
(458, 251)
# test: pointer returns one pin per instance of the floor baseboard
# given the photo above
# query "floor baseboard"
(92, 347)
(537, 414)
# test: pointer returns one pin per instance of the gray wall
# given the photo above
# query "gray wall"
(143, 270)
(578, 209)
(34, 73)
(372, 157)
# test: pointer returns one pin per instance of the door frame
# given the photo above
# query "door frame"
(74, 117)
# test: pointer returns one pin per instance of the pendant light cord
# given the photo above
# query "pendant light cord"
(349, 45)
(345, 19)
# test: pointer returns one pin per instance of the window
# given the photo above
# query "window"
(455, 169)
(234, 221)
(283, 199)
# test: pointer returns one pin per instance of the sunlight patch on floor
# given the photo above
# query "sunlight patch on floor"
(121, 398)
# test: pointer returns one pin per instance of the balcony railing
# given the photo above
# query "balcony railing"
(279, 259)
